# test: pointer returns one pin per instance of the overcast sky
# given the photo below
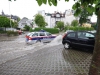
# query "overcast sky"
(28, 8)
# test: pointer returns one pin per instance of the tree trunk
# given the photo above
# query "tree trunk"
(95, 64)
(5, 28)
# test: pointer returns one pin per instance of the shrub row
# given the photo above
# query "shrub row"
(2, 32)
(12, 33)
(78, 28)
(51, 30)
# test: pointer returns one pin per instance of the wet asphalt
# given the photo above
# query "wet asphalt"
(18, 58)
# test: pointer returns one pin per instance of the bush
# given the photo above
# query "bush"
(26, 28)
(2, 32)
(31, 30)
(12, 33)
(74, 23)
(60, 25)
(78, 28)
(51, 30)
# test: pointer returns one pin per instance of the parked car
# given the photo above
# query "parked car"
(79, 39)
(68, 31)
(93, 31)
(34, 37)
(19, 32)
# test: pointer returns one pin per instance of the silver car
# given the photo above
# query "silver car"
(34, 37)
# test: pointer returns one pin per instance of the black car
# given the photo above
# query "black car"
(79, 39)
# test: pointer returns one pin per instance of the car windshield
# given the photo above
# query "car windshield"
(34, 34)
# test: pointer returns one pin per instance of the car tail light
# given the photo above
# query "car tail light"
(64, 35)
(30, 38)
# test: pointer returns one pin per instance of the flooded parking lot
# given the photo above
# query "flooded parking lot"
(14, 47)
(41, 59)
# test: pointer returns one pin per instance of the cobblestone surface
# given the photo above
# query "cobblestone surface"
(49, 61)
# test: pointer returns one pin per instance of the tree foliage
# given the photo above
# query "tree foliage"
(74, 23)
(40, 21)
(5, 22)
(83, 18)
(15, 25)
(60, 25)
(27, 28)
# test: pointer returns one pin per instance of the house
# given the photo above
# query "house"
(52, 18)
(25, 21)
(12, 17)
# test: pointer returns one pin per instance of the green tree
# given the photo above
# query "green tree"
(5, 22)
(84, 16)
(88, 5)
(18, 19)
(15, 25)
(60, 25)
(40, 21)
(74, 23)
(27, 28)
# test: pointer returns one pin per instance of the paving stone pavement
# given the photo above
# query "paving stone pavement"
(53, 60)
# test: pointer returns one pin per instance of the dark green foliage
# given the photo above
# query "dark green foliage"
(5, 22)
(27, 28)
(97, 8)
(51, 30)
(78, 28)
(60, 25)
(3, 32)
(94, 26)
(12, 33)
(40, 21)
(84, 16)
(15, 25)
(74, 23)
(31, 30)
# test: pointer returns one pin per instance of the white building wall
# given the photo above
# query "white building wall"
(52, 22)
(69, 17)
(48, 20)
(24, 22)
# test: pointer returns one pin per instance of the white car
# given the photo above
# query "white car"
(34, 37)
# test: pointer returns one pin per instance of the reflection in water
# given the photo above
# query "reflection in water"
(6, 38)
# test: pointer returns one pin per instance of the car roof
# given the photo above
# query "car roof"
(82, 31)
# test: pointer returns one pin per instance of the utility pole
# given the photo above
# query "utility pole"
(10, 16)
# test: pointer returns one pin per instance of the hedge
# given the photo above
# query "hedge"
(12, 33)
(51, 30)
(78, 28)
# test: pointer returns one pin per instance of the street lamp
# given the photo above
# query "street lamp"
(10, 16)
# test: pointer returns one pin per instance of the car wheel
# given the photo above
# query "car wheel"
(66, 46)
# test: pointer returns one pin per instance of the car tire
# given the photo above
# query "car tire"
(66, 45)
